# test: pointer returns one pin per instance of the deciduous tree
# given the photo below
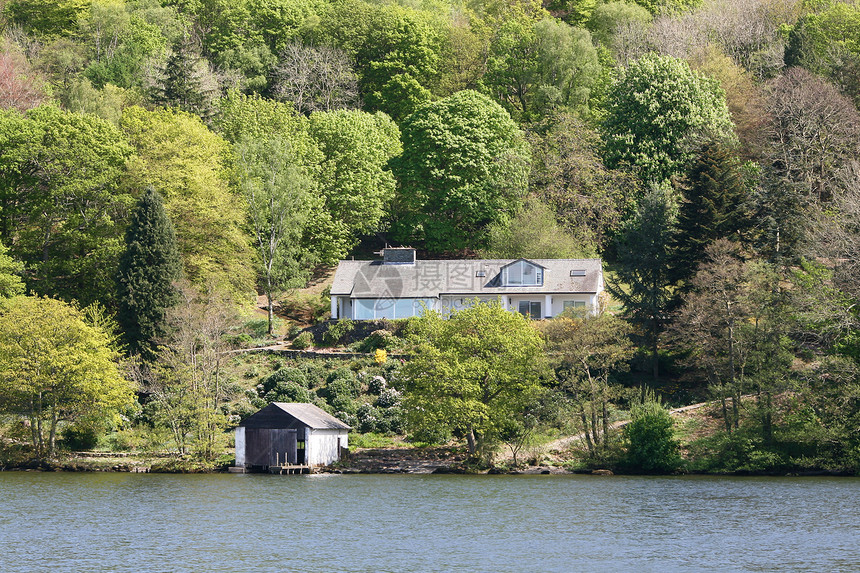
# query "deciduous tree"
(21, 87)
(353, 175)
(188, 164)
(315, 78)
(56, 366)
(62, 203)
(657, 107)
(464, 166)
(586, 351)
(472, 370)
(279, 198)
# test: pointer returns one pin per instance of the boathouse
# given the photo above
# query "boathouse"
(290, 434)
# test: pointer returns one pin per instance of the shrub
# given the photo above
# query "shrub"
(303, 340)
(377, 340)
(388, 398)
(337, 331)
(368, 418)
(287, 392)
(81, 437)
(294, 375)
(341, 387)
(376, 385)
(652, 446)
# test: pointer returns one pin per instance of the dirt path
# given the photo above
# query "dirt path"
(566, 442)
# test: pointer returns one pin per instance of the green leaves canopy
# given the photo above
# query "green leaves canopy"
(61, 207)
(147, 272)
(656, 107)
(465, 165)
(56, 366)
(471, 370)
(188, 164)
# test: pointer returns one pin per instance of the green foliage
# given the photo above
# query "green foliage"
(337, 331)
(645, 254)
(278, 195)
(185, 82)
(464, 166)
(303, 340)
(471, 369)
(61, 209)
(535, 233)
(714, 206)
(609, 16)
(55, 366)
(10, 271)
(81, 437)
(657, 7)
(147, 272)
(353, 174)
(188, 164)
(397, 55)
(826, 41)
(740, 451)
(569, 176)
(651, 444)
(47, 18)
(586, 351)
(380, 338)
(134, 42)
(535, 67)
(657, 107)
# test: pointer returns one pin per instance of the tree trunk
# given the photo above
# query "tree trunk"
(471, 442)
(585, 429)
(655, 355)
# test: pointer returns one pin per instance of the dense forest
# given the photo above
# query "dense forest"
(165, 162)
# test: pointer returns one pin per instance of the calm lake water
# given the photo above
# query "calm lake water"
(147, 522)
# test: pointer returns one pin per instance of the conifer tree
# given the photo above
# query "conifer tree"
(147, 272)
(186, 81)
(645, 250)
(714, 204)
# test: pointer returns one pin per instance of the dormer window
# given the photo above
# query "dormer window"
(523, 273)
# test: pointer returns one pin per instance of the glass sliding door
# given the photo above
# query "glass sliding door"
(530, 309)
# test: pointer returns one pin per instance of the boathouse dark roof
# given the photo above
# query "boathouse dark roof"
(278, 414)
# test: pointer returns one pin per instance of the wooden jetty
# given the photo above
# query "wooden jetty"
(291, 469)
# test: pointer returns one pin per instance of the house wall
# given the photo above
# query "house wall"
(556, 302)
(240, 446)
(321, 446)
(458, 302)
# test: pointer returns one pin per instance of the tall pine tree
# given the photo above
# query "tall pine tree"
(186, 81)
(645, 250)
(147, 272)
(714, 206)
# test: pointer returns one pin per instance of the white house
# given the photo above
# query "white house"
(399, 286)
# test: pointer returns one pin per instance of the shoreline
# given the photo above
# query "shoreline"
(429, 469)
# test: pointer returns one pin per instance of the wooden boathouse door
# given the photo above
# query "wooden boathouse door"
(270, 446)
(284, 447)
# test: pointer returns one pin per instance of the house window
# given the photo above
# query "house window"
(370, 309)
(574, 304)
(530, 309)
(523, 273)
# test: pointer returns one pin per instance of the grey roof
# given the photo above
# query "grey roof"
(432, 278)
(312, 416)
